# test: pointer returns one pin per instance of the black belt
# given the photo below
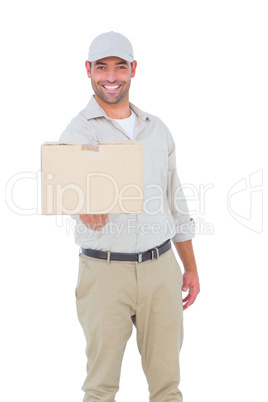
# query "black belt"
(138, 257)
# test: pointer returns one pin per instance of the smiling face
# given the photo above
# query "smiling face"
(110, 79)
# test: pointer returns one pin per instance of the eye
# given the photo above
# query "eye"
(100, 68)
(122, 67)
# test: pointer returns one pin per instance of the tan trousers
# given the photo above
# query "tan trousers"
(110, 297)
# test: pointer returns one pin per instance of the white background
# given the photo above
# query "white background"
(202, 68)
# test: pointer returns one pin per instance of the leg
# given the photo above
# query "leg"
(159, 322)
(105, 295)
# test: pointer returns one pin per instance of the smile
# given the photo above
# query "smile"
(111, 87)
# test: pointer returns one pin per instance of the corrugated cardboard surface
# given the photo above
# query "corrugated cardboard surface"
(78, 181)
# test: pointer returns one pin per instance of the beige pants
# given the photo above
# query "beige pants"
(110, 297)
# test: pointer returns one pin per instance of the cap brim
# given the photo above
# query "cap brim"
(122, 55)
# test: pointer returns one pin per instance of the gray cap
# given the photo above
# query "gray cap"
(110, 44)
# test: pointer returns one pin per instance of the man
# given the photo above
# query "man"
(128, 272)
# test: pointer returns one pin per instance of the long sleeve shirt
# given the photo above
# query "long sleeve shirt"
(165, 213)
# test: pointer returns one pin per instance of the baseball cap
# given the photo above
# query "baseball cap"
(110, 44)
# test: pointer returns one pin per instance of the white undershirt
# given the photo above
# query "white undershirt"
(128, 124)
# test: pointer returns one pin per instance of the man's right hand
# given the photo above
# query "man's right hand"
(94, 221)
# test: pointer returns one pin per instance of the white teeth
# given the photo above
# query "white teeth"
(110, 88)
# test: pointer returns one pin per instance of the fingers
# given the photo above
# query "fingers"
(101, 221)
(190, 298)
(190, 284)
(98, 221)
(90, 145)
(95, 221)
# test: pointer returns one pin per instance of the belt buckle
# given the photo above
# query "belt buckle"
(139, 257)
(152, 251)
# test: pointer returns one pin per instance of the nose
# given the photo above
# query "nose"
(111, 76)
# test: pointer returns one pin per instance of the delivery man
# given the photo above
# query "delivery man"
(128, 272)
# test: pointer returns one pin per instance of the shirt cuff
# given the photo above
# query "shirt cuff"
(185, 231)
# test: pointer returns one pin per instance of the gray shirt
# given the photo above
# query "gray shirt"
(165, 213)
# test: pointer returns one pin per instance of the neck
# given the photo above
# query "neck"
(119, 110)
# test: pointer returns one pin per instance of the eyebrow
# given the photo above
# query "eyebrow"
(99, 63)
(122, 62)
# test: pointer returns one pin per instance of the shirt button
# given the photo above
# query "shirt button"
(141, 234)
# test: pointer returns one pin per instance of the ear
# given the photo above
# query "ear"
(88, 69)
(134, 66)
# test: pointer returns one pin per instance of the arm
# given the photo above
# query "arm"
(184, 224)
(185, 229)
(190, 276)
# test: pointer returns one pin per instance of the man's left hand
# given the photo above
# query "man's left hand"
(190, 284)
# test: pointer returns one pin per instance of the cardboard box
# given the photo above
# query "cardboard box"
(79, 181)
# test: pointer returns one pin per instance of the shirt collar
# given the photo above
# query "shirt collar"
(94, 110)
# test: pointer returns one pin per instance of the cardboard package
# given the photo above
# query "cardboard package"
(80, 181)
